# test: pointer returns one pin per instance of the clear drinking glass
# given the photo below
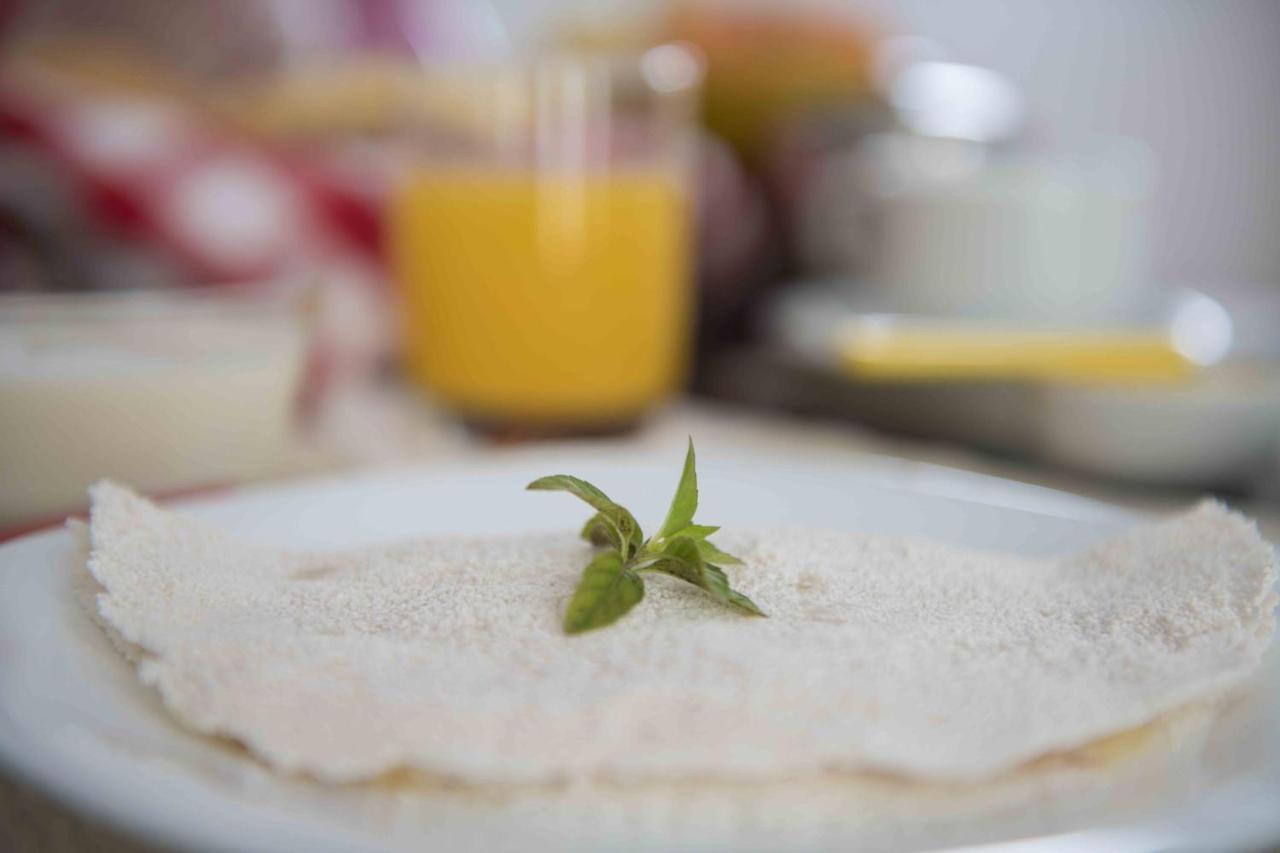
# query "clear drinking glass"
(540, 236)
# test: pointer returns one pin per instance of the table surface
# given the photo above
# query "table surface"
(384, 426)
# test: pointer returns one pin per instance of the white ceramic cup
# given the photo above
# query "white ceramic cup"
(1034, 241)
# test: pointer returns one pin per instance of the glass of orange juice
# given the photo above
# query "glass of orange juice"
(540, 238)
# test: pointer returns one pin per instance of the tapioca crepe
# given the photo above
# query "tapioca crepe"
(446, 656)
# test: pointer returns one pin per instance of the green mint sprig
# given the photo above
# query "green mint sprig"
(611, 583)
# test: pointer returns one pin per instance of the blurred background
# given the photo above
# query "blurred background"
(249, 239)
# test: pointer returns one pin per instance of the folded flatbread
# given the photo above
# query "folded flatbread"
(446, 656)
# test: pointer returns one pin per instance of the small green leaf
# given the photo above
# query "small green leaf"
(597, 531)
(624, 530)
(745, 604)
(680, 559)
(718, 586)
(575, 486)
(712, 554)
(685, 502)
(697, 531)
(608, 590)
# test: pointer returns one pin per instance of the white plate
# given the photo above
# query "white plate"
(75, 721)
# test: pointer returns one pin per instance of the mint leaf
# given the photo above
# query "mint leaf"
(622, 528)
(685, 502)
(608, 590)
(712, 554)
(611, 584)
(718, 586)
(575, 486)
(697, 531)
(683, 558)
(597, 531)
(680, 558)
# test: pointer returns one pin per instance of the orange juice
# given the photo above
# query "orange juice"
(544, 298)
